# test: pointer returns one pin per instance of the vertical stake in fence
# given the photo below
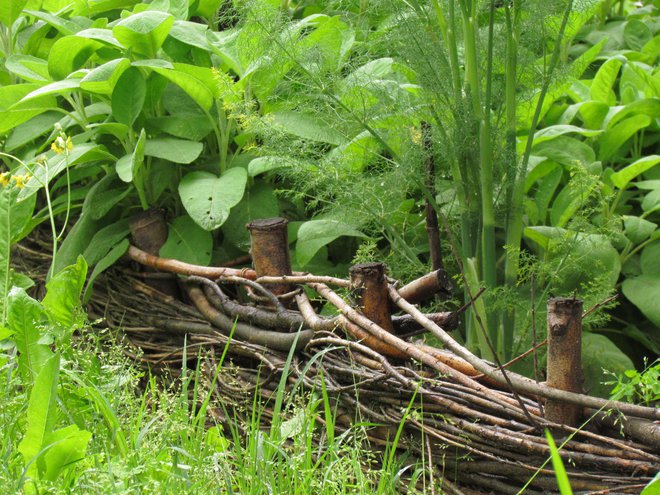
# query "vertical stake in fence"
(149, 232)
(564, 369)
(370, 287)
(269, 247)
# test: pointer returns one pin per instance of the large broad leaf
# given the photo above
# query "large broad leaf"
(644, 292)
(103, 79)
(14, 112)
(259, 202)
(599, 352)
(601, 86)
(26, 318)
(110, 258)
(208, 198)
(188, 242)
(13, 217)
(66, 446)
(187, 126)
(615, 137)
(621, 178)
(551, 132)
(128, 165)
(566, 150)
(144, 32)
(128, 96)
(62, 300)
(638, 229)
(265, 164)
(28, 68)
(191, 33)
(81, 153)
(10, 10)
(315, 234)
(69, 54)
(41, 414)
(173, 150)
(650, 259)
(310, 127)
(105, 239)
(194, 87)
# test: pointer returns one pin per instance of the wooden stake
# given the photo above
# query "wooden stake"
(149, 232)
(564, 357)
(269, 248)
(370, 287)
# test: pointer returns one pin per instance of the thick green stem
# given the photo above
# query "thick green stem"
(515, 225)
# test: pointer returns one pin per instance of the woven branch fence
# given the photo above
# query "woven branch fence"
(480, 426)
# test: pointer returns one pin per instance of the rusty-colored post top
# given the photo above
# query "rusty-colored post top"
(370, 287)
(269, 247)
(564, 367)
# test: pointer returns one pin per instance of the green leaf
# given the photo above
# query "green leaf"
(69, 54)
(105, 239)
(647, 106)
(651, 201)
(10, 10)
(78, 239)
(110, 258)
(309, 127)
(208, 198)
(191, 33)
(636, 34)
(621, 178)
(81, 153)
(601, 86)
(173, 150)
(41, 414)
(208, 8)
(191, 127)
(103, 79)
(65, 447)
(31, 130)
(644, 292)
(558, 465)
(315, 234)
(265, 164)
(638, 229)
(259, 202)
(26, 318)
(653, 488)
(144, 32)
(599, 352)
(57, 88)
(566, 150)
(617, 135)
(128, 96)
(128, 165)
(7, 200)
(27, 67)
(188, 242)
(62, 300)
(649, 259)
(195, 88)
(14, 112)
(553, 131)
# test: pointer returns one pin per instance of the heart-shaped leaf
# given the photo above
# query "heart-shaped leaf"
(208, 198)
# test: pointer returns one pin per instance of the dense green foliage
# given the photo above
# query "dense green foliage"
(542, 120)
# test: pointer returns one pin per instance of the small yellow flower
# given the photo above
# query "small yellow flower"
(4, 179)
(21, 180)
(62, 145)
(416, 136)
